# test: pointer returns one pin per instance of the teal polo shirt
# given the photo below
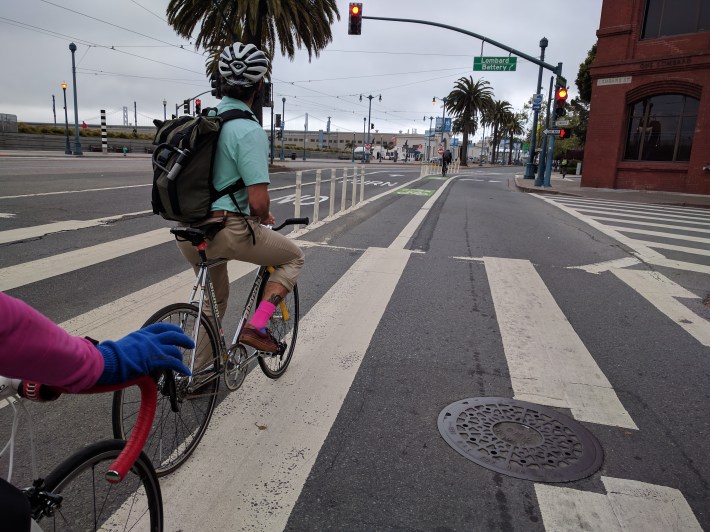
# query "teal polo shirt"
(242, 153)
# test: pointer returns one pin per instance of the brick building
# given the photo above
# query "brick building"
(649, 125)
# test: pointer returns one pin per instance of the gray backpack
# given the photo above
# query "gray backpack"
(183, 189)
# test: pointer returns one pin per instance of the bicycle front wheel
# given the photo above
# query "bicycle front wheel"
(89, 502)
(175, 435)
(284, 327)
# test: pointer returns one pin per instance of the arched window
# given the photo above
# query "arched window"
(661, 128)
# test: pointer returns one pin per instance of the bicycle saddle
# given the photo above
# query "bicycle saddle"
(196, 235)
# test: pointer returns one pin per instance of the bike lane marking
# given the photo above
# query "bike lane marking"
(275, 430)
(548, 363)
(268, 434)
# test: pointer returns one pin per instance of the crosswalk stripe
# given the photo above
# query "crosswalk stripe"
(660, 217)
(270, 466)
(628, 505)
(634, 207)
(36, 231)
(661, 292)
(651, 224)
(548, 362)
(682, 249)
(661, 234)
(37, 270)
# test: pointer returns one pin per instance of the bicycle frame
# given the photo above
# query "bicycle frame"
(203, 284)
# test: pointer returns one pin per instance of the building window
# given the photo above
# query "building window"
(674, 17)
(661, 128)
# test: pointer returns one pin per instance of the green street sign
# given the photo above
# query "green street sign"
(494, 64)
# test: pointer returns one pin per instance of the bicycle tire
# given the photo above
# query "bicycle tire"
(175, 435)
(91, 503)
(274, 366)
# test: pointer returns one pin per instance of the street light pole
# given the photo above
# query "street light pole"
(283, 121)
(54, 110)
(67, 149)
(77, 142)
(165, 109)
(364, 125)
(428, 138)
(369, 114)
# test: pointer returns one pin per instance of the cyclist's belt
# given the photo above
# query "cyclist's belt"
(225, 214)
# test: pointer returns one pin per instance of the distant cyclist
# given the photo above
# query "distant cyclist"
(445, 161)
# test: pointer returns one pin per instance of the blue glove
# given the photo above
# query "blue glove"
(144, 351)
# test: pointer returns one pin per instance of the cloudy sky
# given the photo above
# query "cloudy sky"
(127, 53)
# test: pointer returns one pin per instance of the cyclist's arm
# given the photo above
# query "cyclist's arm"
(33, 347)
(259, 201)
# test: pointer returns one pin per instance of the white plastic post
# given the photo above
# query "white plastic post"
(354, 198)
(344, 193)
(297, 207)
(316, 194)
(362, 183)
(332, 192)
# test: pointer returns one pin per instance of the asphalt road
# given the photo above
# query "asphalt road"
(429, 292)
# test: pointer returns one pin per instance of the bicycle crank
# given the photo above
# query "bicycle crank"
(235, 369)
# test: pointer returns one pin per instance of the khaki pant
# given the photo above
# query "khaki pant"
(234, 242)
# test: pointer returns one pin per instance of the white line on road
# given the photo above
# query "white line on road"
(661, 292)
(651, 224)
(265, 438)
(628, 505)
(649, 216)
(73, 191)
(548, 362)
(600, 267)
(37, 270)
(27, 233)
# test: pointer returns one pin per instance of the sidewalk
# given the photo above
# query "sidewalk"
(570, 186)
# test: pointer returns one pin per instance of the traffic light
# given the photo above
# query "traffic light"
(215, 83)
(355, 18)
(277, 121)
(198, 106)
(560, 102)
(565, 133)
(186, 107)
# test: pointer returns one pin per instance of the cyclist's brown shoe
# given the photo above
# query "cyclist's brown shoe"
(261, 341)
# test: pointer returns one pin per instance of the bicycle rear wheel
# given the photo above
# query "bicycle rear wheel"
(175, 435)
(89, 502)
(284, 328)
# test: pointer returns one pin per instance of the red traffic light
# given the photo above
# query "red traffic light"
(198, 102)
(355, 18)
(565, 133)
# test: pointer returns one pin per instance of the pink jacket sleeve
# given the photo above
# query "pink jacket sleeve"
(32, 347)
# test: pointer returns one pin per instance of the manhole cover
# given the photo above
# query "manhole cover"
(520, 439)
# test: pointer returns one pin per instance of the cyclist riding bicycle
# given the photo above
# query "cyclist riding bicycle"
(243, 153)
(33, 347)
(445, 161)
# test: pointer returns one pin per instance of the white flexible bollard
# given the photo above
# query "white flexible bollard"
(354, 198)
(297, 206)
(331, 211)
(362, 183)
(316, 200)
(344, 193)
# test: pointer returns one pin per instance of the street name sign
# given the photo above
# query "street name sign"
(551, 132)
(494, 64)
(561, 123)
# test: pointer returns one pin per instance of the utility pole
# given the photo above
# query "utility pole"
(530, 168)
(54, 111)
(283, 123)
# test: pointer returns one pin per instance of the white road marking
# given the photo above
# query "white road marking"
(661, 292)
(601, 267)
(73, 191)
(682, 249)
(641, 249)
(651, 224)
(629, 206)
(7, 215)
(37, 270)
(592, 212)
(660, 234)
(628, 505)
(548, 362)
(268, 468)
(27, 233)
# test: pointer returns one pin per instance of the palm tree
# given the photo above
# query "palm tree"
(293, 24)
(467, 102)
(498, 117)
(516, 126)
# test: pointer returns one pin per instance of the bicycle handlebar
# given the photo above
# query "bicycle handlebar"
(139, 435)
(292, 221)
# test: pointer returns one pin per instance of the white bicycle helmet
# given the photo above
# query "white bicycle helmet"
(242, 64)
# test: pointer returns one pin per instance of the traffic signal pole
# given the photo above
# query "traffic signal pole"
(529, 169)
(543, 151)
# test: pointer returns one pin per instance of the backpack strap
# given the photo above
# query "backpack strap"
(226, 116)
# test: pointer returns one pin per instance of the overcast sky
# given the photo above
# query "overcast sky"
(127, 53)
